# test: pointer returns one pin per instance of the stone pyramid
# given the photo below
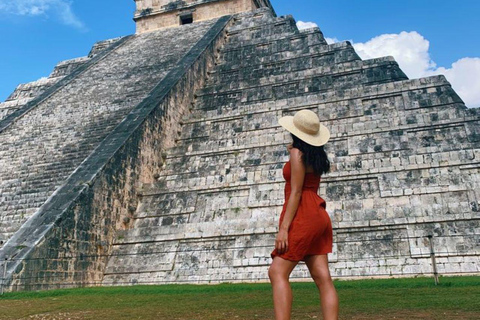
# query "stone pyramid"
(157, 159)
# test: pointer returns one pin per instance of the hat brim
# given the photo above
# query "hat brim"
(318, 139)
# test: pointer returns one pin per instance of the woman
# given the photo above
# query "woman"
(305, 232)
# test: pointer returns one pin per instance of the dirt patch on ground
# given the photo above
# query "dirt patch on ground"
(61, 316)
(403, 315)
(413, 315)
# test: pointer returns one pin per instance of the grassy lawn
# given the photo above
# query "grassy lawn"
(407, 298)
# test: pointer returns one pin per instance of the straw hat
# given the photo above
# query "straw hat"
(307, 127)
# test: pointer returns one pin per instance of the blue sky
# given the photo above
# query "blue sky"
(426, 37)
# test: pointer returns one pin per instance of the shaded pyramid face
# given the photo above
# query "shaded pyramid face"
(403, 154)
(48, 127)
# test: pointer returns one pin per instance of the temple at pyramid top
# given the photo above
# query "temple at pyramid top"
(155, 14)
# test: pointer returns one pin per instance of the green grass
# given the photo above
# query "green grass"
(404, 298)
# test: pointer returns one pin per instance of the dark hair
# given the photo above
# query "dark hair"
(315, 156)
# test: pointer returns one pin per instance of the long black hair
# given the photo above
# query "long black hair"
(313, 155)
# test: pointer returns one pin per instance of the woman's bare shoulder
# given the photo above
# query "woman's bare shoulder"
(294, 151)
(295, 155)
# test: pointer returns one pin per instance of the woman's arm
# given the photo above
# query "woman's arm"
(296, 181)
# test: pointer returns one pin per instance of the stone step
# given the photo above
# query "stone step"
(376, 70)
(177, 189)
(223, 180)
(25, 93)
(202, 274)
(156, 230)
(261, 34)
(24, 166)
(387, 163)
(27, 202)
(215, 217)
(26, 198)
(31, 90)
(196, 125)
(378, 137)
(234, 131)
(249, 18)
(40, 181)
(230, 182)
(419, 94)
(197, 230)
(366, 122)
(240, 33)
(303, 82)
(263, 30)
(100, 46)
(338, 52)
(157, 259)
(66, 67)
(264, 48)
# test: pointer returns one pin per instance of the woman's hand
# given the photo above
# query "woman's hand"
(281, 242)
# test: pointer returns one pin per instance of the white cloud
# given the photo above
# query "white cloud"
(411, 51)
(62, 9)
(305, 25)
(331, 40)
(464, 75)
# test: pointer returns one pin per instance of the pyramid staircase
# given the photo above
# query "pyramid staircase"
(57, 125)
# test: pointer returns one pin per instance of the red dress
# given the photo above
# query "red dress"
(310, 232)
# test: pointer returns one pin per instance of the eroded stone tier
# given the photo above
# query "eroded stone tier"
(405, 157)
(26, 92)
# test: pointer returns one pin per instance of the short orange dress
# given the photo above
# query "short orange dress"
(310, 232)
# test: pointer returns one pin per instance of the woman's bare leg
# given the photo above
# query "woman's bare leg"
(279, 273)
(318, 267)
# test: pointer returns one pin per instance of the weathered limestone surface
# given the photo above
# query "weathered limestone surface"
(405, 157)
(27, 91)
(39, 150)
(155, 14)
